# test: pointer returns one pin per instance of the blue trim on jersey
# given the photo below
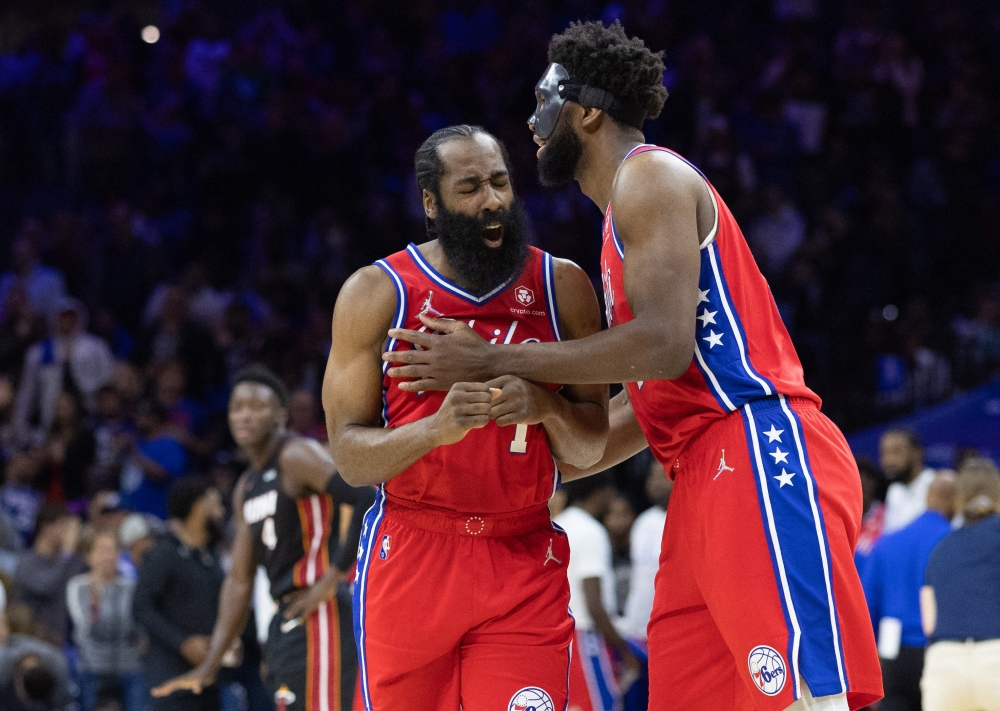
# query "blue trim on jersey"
(654, 147)
(800, 551)
(597, 670)
(451, 286)
(398, 319)
(720, 340)
(548, 276)
(369, 535)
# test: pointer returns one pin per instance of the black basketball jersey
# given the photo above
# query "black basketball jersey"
(291, 537)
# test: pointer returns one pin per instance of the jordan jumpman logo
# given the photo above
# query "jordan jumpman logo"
(722, 467)
(549, 556)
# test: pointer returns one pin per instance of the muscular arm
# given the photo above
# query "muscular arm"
(625, 439)
(656, 199)
(575, 418)
(365, 452)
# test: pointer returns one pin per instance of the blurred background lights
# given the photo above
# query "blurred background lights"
(890, 312)
(150, 34)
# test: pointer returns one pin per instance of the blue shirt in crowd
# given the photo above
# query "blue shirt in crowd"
(895, 574)
(964, 571)
(150, 497)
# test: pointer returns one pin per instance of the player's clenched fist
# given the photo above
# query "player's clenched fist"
(517, 402)
(465, 407)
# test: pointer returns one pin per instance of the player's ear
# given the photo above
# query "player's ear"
(430, 204)
(591, 119)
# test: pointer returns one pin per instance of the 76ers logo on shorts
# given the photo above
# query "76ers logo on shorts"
(767, 669)
(531, 698)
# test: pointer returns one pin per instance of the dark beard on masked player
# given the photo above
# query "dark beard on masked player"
(557, 164)
(480, 267)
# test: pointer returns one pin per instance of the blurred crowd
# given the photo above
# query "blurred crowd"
(185, 185)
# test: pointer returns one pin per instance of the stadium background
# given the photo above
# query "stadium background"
(205, 195)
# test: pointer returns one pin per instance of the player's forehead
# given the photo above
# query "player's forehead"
(474, 157)
(249, 391)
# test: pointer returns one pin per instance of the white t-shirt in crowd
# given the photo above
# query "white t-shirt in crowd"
(644, 544)
(590, 557)
(905, 502)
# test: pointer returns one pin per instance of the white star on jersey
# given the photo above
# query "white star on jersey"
(774, 434)
(703, 295)
(785, 478)
(707, 317)
(779, 456)
(713, 339)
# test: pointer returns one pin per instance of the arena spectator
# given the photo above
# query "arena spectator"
(70, 358)
(618, 523)
(646, 535)
(18, 496)
(33, 685)
(100, 606)
(177, 595)
(959, 604)
(592, 594)
(42, 573)
(873, 487)
(892, 581)
(155, 461)
(136, 537)
(15, 648)
(303, 415)
(69, 450)
(44, 286)
(20, 326)
(901, 455)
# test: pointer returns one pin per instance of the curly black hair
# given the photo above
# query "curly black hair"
(428, 164)
(607, 58)
(260, 375)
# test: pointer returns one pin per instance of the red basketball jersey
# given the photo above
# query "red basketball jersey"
(493, 469)
(742, 350)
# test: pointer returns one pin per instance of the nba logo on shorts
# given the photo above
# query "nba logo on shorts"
(767, 669)
(524, 296)
(384, 552)
(530, 698)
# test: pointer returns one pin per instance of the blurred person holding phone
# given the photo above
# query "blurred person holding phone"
(960, 602)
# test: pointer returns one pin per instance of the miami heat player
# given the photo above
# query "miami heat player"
(287, 508)
(461, 597)
(758, 603)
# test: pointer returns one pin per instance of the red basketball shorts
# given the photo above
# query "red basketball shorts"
(462, 610)
(757, 588)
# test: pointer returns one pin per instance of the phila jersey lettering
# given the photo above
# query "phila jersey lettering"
(493, 469)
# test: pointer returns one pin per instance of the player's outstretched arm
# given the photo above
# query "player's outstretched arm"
(656, 201)
(365, 451)
(575, 418)
(625, 439)
(234, 607)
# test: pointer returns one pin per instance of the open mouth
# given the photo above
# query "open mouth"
(493, 235)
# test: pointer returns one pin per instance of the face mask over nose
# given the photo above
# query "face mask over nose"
(556, 87)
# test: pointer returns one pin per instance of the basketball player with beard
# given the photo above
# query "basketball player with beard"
(757, 603)
(461, 599)
(287, 512)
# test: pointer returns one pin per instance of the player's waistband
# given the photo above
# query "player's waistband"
(759, 405)
(460, 523)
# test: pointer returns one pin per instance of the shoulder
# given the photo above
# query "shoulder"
(368, 282)
(653, 176)
(299, 450)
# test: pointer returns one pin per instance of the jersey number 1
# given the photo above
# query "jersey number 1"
(520, 443)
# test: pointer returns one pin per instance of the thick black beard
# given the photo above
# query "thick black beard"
(557, 164)
(479, 267)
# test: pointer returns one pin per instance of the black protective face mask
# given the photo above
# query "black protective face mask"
(558, 161)
(480, 267)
